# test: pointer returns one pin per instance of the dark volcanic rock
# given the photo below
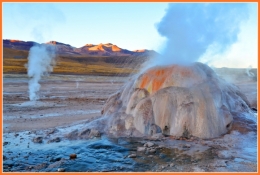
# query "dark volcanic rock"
(61, 170)
(51, 131)
(37, 139)
(132, 156)
(73, 156)
(57, 139)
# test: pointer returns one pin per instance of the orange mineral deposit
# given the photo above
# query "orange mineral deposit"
(155, 78)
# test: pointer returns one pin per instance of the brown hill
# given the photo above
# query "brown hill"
(102, 59)
(108, 49)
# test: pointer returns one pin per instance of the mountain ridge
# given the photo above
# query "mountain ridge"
(107, 49)
(102, 59)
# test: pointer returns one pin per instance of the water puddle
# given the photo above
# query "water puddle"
(105, 154)
(12, 93)
(95, 155)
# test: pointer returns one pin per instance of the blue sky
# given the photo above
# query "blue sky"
(129, 25)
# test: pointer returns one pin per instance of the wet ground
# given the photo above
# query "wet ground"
(104, 154)
(98, 154)
(34, 137)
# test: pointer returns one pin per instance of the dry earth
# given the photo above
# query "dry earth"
(61, 102)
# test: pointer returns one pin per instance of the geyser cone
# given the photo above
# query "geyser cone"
(176, 100)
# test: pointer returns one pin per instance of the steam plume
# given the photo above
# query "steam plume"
(43, 17)
(192, 28)
(40, 63)
(250, 74)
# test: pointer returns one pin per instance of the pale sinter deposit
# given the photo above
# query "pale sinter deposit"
(176, 100)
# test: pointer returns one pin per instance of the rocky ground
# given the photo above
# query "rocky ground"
(63, 100)
(44, 135)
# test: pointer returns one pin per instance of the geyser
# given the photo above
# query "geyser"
(40, 63)
(175, 100)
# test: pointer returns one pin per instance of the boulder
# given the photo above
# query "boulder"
(73, 156)
(57, 139)
(37, 139)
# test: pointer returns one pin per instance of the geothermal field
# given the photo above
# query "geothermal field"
(72, 117)
(190, 106)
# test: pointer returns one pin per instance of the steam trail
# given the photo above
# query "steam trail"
(250, 74)
(192, 28)
(43, 18)
(40, 63)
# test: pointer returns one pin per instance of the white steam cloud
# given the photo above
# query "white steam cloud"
(42, 19)
(40, 63)
(192, 28)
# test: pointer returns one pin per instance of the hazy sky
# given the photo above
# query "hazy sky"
(129, 25)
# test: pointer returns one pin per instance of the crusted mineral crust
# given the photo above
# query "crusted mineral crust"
(175, 100)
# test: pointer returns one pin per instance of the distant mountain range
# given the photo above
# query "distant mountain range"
(103, 59)
(107, 49)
